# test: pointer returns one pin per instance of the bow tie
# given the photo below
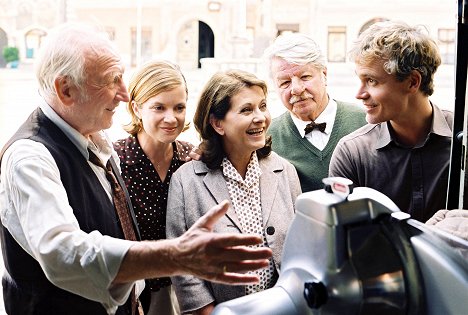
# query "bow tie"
(311, 126)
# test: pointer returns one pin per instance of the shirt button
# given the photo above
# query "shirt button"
(270, 230)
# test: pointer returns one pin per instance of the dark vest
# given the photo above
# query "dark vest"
(26, 289)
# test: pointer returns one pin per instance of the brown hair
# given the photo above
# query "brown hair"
(215, 100)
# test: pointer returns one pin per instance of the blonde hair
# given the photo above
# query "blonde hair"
(151, 79)
(405, 48)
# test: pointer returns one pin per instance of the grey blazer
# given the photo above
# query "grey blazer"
(194, 189)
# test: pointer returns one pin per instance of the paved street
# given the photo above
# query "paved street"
(19, 96)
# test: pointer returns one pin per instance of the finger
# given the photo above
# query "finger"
(457, 213)
(239, 254)
(194, 154)
(212, 216)
(236, 279)
(437, 217)
(231, 240)
(244, 266)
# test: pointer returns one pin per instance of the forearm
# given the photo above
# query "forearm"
(199, 252)
(205, 310)
(148, 259)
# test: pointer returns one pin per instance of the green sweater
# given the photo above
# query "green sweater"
(311, 163)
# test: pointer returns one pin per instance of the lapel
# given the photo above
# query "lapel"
(216, 185)
(268, 184)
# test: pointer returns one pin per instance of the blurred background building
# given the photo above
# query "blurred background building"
(225, 31)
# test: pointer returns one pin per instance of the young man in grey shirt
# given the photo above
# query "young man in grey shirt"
(404, 150)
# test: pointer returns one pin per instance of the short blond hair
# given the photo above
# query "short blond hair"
(153, 78)
(405, 48)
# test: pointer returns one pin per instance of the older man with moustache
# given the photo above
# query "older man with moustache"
(308, 132)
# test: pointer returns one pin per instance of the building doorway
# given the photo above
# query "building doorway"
(205, 42)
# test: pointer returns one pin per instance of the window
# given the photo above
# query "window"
(146, 52)
(336, 44)
(446, 38)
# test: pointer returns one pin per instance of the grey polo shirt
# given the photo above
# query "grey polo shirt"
(415, 178)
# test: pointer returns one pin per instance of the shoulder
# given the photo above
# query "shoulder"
(364, 134)
(350, 108)
(281, 120)
(274, 162)
(121, 145)
(24, 149)
(192, 168)
(183, 149)
(25, 154)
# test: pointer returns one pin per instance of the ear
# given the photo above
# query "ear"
(136, 109)
(324, 75)
(217, 125)
(414, 81)
(66, 92)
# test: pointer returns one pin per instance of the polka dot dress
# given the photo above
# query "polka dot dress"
(147, 192)
(245, 198)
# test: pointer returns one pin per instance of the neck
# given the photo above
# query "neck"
(413, 127)
(240, 162)
(156, 151)
(323, 104)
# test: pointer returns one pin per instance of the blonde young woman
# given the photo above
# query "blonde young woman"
(151, 154)
(237, 164)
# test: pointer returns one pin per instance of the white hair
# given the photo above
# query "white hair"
(296, 48)
(64, 54)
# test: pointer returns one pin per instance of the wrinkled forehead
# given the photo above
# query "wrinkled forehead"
(101, 60)
(282, 68)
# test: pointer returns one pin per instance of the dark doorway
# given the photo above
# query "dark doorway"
(3, 43)
(205, 42)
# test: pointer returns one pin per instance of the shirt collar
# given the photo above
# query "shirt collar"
(439, 126)
(327, 116)
(251, 175)
(439, 123)
(99, 142)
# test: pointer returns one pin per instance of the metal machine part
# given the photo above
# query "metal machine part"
(360, 255)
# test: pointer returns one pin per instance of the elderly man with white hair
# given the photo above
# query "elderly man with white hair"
(308, 132)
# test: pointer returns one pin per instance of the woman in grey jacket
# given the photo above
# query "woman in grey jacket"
(237, 164)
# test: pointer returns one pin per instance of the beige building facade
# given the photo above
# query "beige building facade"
(196, 33)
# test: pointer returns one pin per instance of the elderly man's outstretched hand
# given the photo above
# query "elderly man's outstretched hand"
(220, 257)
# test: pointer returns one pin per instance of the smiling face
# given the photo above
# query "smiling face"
(384, 97)
(243, 129)
(301, 88)
(102, 92)
(163, 115)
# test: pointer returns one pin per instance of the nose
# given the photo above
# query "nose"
(297, 86)
(169, 116)
(362, 93)
(260, 116)
(122, 94)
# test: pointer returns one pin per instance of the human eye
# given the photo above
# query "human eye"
(180, 108)
(284, 84)
(263, 106)
(306, 77)
(246, 110)
(157, 107)
(371, 81)
(117, 78)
